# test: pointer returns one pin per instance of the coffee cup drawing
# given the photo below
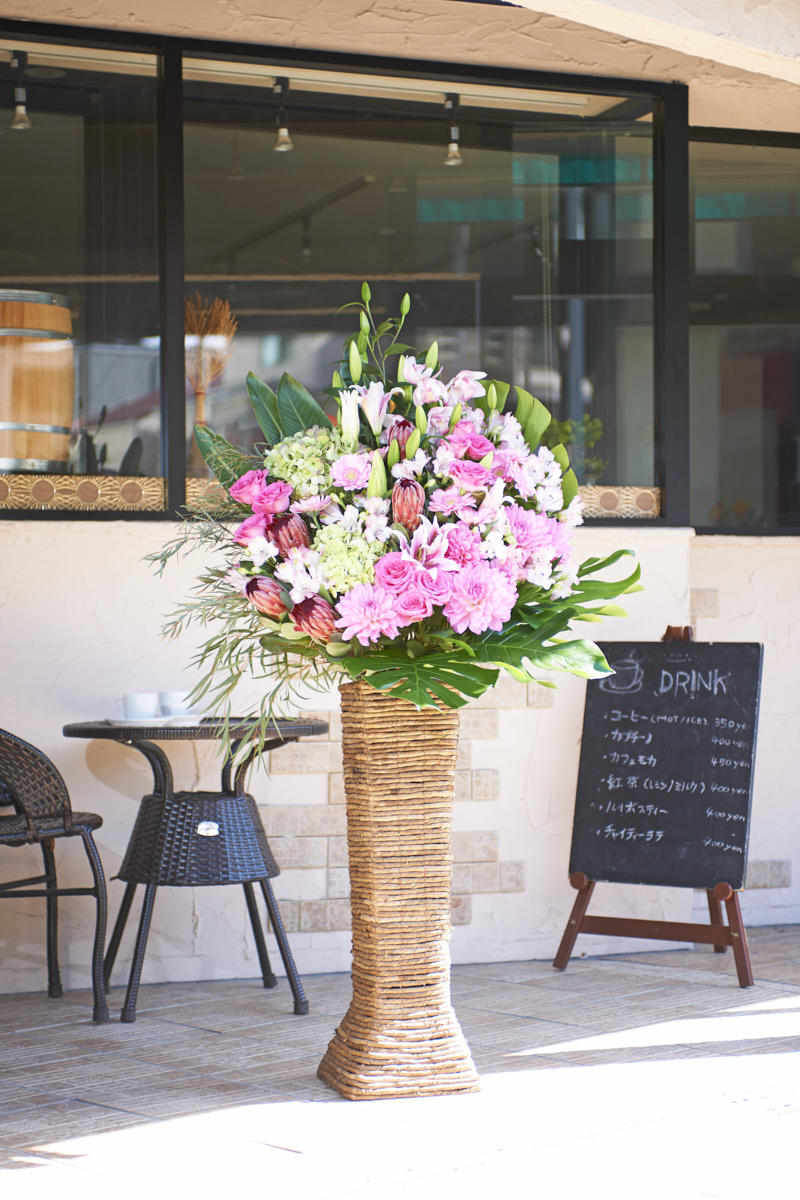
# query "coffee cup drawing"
(628, 677)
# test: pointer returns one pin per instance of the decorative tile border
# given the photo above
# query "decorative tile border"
(83, 493)
(600, 501)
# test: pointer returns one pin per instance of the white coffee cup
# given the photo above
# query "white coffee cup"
(139, 706)
(174, 704)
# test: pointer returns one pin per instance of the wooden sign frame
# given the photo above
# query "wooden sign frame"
(716, 933)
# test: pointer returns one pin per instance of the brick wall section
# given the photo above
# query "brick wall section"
(312, 836)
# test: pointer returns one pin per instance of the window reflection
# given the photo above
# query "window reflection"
(532, 259)
(78, 209)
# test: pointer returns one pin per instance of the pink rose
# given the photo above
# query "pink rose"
(436, 585)
(470, 476)
(412, 605)
(250, 528)
(247, 487)
(465, 439)
(274, 498)
(394, 572)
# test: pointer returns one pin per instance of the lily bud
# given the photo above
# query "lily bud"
(408, 499)
(266, 595)
(315, 617)
(289, 530)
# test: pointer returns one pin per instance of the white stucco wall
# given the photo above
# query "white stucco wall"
(80, 614)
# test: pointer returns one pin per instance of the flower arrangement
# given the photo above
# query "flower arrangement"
(420, 540)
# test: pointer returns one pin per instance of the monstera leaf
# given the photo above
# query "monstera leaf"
(427, 681)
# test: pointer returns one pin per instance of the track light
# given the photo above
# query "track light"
(453, 157)
(283, 140)
(20, 120)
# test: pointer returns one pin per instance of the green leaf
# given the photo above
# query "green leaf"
(579, 658)
(265, 407)
(561, 456)
(535, 417)
(501, 391)
(423, 681)
(297, 408)
(569, 486)
(227, 463)
(354, 362)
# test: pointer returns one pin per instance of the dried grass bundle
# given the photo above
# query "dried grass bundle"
(209, 327)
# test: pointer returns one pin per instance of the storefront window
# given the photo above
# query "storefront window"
(80, 395)
(745, 336)
(531, 257)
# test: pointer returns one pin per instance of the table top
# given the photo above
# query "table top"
(203, 729)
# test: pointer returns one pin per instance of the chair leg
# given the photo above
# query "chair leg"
(258, 933)
(117, 932)
(54, 987)
(128, 1013)
(98, 977)
(300, 1002)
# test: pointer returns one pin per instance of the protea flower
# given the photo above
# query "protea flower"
(266, 595)
(287, 531)
(400, 432)
(408, 499)
(316, 617)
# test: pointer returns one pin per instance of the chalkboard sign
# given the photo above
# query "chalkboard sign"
(666, 766)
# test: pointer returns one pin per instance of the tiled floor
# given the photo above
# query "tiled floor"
(642, 1075)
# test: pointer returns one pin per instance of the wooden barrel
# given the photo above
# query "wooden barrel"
(36, 381)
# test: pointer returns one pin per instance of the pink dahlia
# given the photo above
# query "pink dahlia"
(367, 612)
(463, 544)
(536, 531)
(482, 598)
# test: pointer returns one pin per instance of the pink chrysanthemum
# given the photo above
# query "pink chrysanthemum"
(482, 598)
(449, 502)
(367, 612)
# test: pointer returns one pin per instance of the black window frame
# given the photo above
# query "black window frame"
(671, 135)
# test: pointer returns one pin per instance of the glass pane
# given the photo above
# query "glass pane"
(79, 331)
(530, 259)
(745, 336)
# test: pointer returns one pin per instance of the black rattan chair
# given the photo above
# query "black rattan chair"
(40, 811)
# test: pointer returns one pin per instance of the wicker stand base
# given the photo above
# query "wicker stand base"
(400, 1036)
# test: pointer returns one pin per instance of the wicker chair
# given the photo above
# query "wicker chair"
(40, 811)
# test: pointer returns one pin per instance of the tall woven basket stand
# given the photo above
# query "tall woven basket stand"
(400, 1036)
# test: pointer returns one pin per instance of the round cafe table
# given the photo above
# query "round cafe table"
(197, 838)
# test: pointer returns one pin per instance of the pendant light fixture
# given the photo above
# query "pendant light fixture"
(20, 120)
(453, 157)
(283, 140)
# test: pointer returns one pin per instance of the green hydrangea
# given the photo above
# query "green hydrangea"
(304, 460)
(347, 558)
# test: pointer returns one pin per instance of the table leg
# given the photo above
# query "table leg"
(119, 929)
(129, 1007)
(258, 933)
(300, 1002)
